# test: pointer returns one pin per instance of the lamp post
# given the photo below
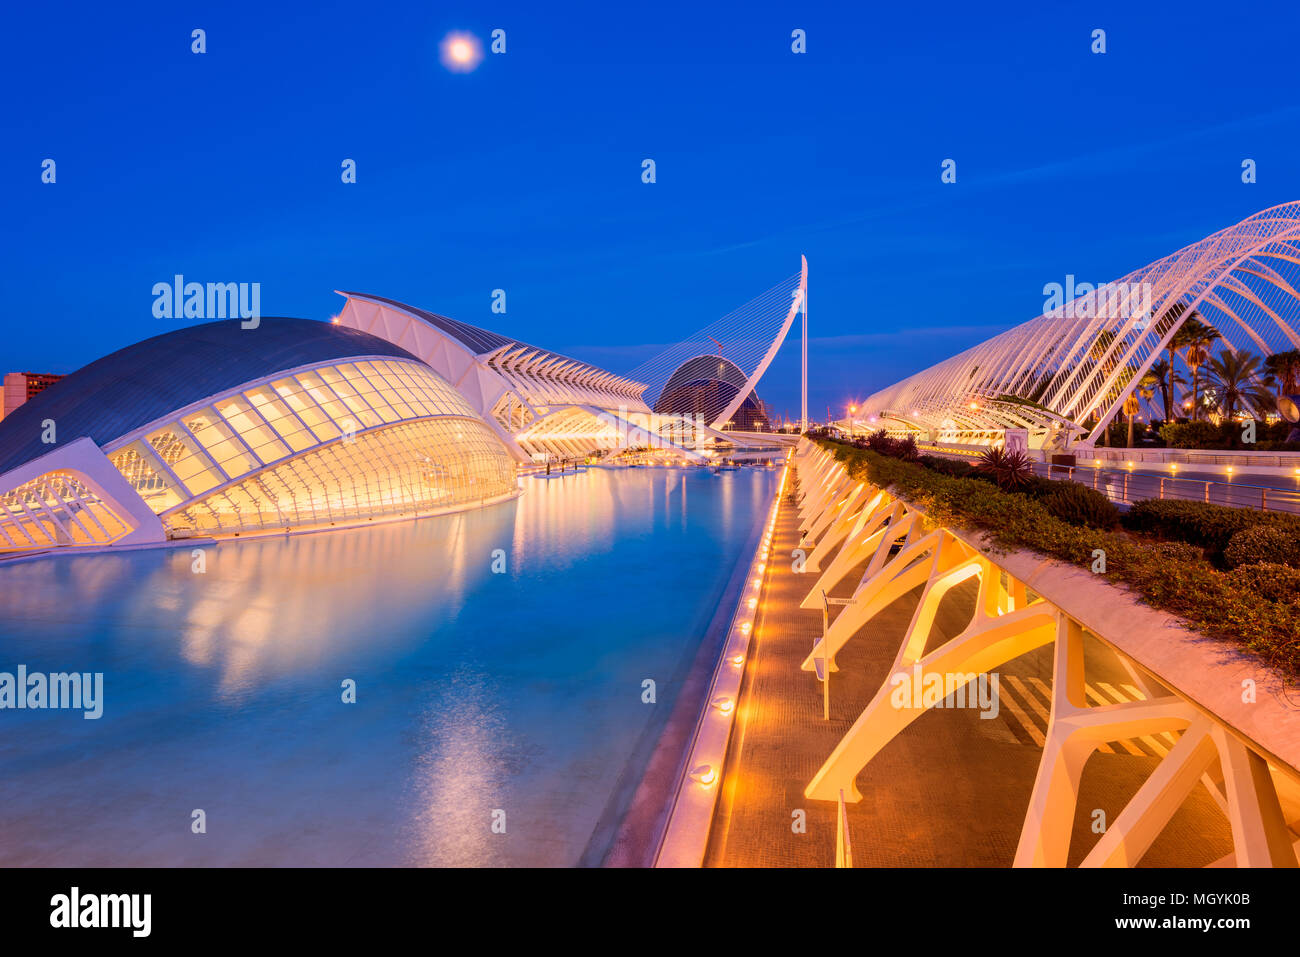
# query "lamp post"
(852, 411)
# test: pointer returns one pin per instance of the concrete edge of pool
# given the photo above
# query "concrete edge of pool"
(690, 819)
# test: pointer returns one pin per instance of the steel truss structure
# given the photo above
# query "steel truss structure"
(1064, 375)
(725, 360)
(850, 522)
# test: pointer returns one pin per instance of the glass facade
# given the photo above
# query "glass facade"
(407, 469)
(400, 440)
(56, 509)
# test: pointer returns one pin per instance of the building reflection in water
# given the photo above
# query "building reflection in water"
(476, 691)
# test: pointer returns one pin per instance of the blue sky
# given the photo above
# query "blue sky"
(525, 174)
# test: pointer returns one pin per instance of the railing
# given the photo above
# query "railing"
(822, 664)
(843, 847)
(1126, 487)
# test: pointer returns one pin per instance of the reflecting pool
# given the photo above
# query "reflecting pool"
(477, 692)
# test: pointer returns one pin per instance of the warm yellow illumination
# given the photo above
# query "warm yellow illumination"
(753, 603)
(724, 704)
(737, 660)
(704, 775)
(744, 628)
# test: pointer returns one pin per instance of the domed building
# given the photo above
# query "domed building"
(217, 429)
(705, 387)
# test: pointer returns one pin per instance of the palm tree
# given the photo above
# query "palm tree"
(1131, 407)
(1200, 339)
(1097, 351)
(1166, 378)
(1177, 342)
(1146, 388)
(1285, 366)
(1238, 381)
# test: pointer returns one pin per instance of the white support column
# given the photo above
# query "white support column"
(1260, 836)
(990, 639)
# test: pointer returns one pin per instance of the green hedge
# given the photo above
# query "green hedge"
(1279, 583)
(1263, 544)
(1174, 579)
(1226, 435)
(1199, 523)
(1080, 505)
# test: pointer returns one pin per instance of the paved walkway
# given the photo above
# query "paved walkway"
(952, 789)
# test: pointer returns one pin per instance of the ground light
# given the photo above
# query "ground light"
(687, 829)
(704, 775)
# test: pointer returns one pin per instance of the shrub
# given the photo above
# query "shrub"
(1192, 435)
(952, 467)
(879, 441)
(1040, 487)
(1271, 582)
(906, 449)
(1261, 544)
(1010, 470)
(1225, 435)
(1200, 523)
(1179, 552)
(1080, 505)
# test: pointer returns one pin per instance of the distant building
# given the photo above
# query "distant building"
(21, 386)
(709, 386)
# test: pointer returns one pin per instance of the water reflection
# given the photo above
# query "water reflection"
(475, 691)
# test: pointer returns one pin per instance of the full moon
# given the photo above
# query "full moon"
(461, 52)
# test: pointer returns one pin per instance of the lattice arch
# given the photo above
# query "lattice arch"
(1078, 361)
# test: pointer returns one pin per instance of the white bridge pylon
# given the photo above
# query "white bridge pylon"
(857, 522)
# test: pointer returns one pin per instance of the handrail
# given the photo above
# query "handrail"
(1260, 497)
(1269, 498)
(823, 664)
(843, 845)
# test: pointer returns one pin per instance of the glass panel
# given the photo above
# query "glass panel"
(186, 459)
(140, 466)
(221, 443)
(406, 469)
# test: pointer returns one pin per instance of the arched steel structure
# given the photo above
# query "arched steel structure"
(746, 339)
(1066, 373)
